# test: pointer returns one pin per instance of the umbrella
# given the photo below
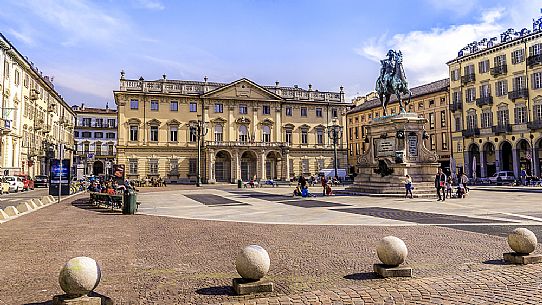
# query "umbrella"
(474, 167)
(453, 166)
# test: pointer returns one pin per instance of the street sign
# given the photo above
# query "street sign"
(90, 156)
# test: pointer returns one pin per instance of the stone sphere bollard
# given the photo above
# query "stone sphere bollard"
(522, 241)
(391, 251)
(79, 276)
(252, 262)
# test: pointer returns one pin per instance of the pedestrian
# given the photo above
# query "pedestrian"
(464, 181)
(324, 183)
(408, 186)
(449, 187)
(440, 184)
(523, 175)
(302, 181)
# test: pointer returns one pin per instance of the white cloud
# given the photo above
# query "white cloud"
(24, 37)
(84, 81)
(150, 4)
(426, 52)
(458, 7)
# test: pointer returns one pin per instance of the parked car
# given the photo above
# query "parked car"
(15, 184)
(41, 180)
(28, 183)
(503, 177)
(4, 186)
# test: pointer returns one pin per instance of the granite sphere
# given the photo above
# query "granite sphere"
(252, 262)
(522, 240)
(79, 276)
(391, 251)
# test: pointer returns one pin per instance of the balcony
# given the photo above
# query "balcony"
(517, 94)
(471, 132)
(498, 70)
(484, 100)
(469, 78)
(502, 129)
(534, 60)
(534, 125)
(456, 106)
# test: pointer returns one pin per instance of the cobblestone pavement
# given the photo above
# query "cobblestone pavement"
(162, 260)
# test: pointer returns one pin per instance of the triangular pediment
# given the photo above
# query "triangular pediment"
(243, 89)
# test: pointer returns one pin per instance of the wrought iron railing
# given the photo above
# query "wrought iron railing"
(534, 60)
(502, 129)
(519, 93)
(484, 100)
(473, 132)
(469, 78)
(498, 70)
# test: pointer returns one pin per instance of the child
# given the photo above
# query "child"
(449, 187)
(408, 186)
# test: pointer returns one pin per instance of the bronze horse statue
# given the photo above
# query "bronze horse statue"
(392, 80)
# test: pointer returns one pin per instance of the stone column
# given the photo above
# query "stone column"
(515, 162)
(536, 162)
(237, 162)
(483, 165)
(262, 165)
(255, 134)
(230, 127)
(467, 168)
(211, 158)
(286, 165)
(278, 125)
(498, 157)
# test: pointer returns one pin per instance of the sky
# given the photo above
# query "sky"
(85, 44)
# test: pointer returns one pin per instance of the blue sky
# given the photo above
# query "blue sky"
(84, 44)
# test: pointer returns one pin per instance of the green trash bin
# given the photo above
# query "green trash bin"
(240, 183)
(130, 202)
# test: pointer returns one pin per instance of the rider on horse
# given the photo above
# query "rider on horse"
(392, 80)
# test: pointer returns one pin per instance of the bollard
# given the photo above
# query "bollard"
(24, 207)
(11, 211)
(523, 242)
(252, 264)
(392, 252)
(3, 215)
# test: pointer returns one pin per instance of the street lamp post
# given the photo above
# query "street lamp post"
(335, 132)
(199, 130)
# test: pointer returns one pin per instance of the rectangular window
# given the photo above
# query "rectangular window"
(110, 150)
(420, 105)
(243, 109)
(468, 70)
(518, 56)
(538, 112)
(535, 49)
(350, 134)
(154, 105)
(17, 78)
(303, 111)
(483, 66)
(174, 106)
(288, 111)
(99, 122)
(288, 137)
(98, 135)
(471, 94)
(173, 131)
(305, 166)
(219, 136)
(454, 75)
(25, 80)
(154, 133)
(98, 149)
(132, 166)
(456, 97)
(431, 103)
(111, 123)
(319, 112)
(503, 117)
(351, 150)
(501, 88)
(76, 134)
(519, 82)
(266, 109)
(133, 133)
(193, 107)
(536, 80)
(499, 60)
(87, 122)
(153, 167)
(334, 113)
(443, 118)
(485, 90)
(87, 134)
(110, 135)
(432, 142)
(192, 166)
(193, 134)
(319, 136)
(444, 140)
(134, 104)
(457, 124)
(487, 119)
(520, 115)
(471, 121)
(304, 136)
(432, 120)
(174, 167)
(356, 132)
(219, 108)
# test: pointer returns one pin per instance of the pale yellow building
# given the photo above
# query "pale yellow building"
(496, 101)
(252, 130)
(428, 100)
(34, 118)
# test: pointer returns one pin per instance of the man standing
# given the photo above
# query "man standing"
(440, 185)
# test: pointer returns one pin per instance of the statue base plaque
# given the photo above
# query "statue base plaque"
(394, 148)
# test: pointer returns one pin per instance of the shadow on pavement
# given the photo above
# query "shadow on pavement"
(362, 276)
(495, 262)
(217, 290)
(41, 303)
(86, 205)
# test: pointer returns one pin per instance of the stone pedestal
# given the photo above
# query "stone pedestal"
(396, 148)
(392, 271)
(245, 286)
(91, 299)
(522, 259)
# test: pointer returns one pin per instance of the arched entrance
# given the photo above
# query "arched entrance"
(474, 158)
(490, 158)
(538, 158)
(97, 168)
(506, 156)
(271, 165)
(525, 156)
(248, 165)
(223, 166)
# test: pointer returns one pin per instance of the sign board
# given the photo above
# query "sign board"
(384, 147)
(90, 156)
(58, 174)
(118, 173)
(412, 146)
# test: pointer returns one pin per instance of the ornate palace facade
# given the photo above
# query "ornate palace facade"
(250, 130)
(496, 101)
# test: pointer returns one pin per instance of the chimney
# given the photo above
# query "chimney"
(276, 84)
(82, 106)
(310, 87)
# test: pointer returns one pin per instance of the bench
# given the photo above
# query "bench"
(114, 201)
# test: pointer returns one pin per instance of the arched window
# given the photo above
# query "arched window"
(266, 134)
(243, 133)
(218, 133)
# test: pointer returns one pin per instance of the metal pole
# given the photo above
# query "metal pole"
(198, 178)
(335, 135)
(60, 173)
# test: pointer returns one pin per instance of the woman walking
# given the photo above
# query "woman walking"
(408, 186)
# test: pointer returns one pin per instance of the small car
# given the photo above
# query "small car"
(503, 176)
(15, 184)
(28, 183)
(41, 181)
(4, 186)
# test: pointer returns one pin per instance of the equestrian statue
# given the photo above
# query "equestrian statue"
(392, 80)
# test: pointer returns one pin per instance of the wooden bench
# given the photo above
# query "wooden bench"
(114, 201)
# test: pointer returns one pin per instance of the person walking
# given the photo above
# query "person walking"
(408, 186)
(464, 181)
(324, 184)
(440, 184)
(449, 186)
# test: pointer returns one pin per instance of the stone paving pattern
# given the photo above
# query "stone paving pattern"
(158, 260)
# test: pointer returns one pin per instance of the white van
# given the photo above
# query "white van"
(503, 176)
